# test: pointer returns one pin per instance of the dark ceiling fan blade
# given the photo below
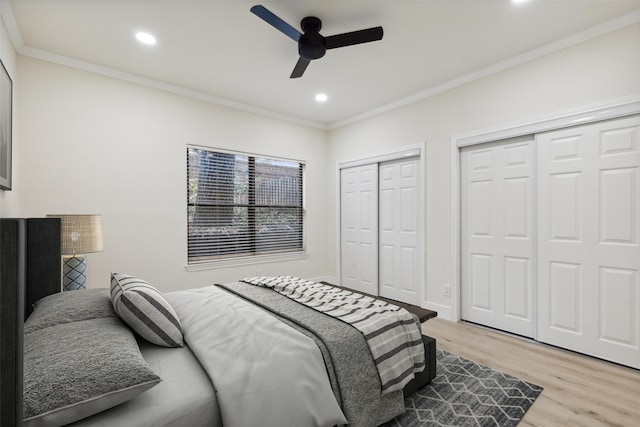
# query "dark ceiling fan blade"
(298, 70)
(354, 37)
(276, 22)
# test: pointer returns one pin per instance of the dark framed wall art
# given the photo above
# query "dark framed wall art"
(6, 100)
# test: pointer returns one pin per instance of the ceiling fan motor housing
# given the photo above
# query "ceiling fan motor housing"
(311, 44)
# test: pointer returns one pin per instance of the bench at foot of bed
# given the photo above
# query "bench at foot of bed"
(423, 378)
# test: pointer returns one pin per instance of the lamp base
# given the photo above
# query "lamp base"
(74, 273)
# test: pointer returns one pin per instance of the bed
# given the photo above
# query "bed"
(241, 355)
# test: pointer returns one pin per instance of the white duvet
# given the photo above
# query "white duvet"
(264, 372)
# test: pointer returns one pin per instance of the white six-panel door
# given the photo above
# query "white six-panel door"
(398, 230)
(359, 228)
(589, 239)
(497, 229)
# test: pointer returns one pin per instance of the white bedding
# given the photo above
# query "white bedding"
(264, 371)
(185, 397)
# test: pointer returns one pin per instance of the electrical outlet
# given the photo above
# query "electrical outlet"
(446, 290)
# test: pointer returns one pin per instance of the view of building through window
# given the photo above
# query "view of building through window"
(241, 205)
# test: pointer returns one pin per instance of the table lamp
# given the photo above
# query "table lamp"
(80, 235)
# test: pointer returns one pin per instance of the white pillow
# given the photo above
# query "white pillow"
(145, 310)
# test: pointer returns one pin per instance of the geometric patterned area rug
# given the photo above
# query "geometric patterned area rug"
(465, 393)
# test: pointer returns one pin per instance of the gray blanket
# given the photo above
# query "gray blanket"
(354, 378)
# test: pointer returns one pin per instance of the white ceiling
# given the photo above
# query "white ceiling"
(218, 50)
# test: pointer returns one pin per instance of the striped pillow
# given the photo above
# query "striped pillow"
(145, 310)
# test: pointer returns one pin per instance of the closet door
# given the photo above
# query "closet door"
(497, 232)
(398, 224)
(589, 239)
(359, 228)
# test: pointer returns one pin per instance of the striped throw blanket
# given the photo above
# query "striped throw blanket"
(392, 333)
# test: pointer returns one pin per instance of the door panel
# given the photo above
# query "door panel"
(564, 281)
(588, 239)
(480, 282)
(619, 217)
(359, 228)
(517, 272)
(617, 291)
(497, 229)
(398, 262)
(565, 190)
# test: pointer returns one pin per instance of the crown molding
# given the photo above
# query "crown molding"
(572, 40)
(553, 47)
(9, 20)
(11, 25)
(157, 84)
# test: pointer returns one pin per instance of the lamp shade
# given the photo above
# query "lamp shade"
(80, 234)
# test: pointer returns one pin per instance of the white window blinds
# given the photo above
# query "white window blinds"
(240, 205)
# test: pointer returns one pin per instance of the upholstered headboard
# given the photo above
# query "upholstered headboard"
(29, 270)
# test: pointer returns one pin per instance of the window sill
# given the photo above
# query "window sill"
(236, 262)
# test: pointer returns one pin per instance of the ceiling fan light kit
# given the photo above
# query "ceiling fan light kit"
(311, 44)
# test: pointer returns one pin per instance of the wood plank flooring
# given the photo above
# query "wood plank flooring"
(578, 390)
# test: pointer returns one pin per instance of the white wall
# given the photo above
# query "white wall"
(8, 199)
(594, 71)
(92, 144)
(88, 143)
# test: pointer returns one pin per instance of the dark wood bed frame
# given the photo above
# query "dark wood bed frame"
(30, 269)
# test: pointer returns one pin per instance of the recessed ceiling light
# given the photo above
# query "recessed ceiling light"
(321, 97)
(145, 38)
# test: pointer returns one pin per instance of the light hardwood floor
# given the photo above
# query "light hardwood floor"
(578, 390)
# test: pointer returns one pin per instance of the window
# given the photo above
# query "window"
(241, 205)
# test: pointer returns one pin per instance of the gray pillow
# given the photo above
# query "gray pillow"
(70, 306)
(145, 310)
(75, 370)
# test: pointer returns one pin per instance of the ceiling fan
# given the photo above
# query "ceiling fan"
(311, 44)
